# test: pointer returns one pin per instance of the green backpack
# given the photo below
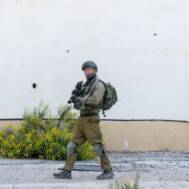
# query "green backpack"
(110, 96)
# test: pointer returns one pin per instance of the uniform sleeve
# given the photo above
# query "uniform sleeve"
(96, 96)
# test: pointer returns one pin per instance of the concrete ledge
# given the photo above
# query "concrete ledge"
(121, 136)
(145, 135)
(4, 123)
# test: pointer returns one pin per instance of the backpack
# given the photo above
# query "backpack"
(110, 96)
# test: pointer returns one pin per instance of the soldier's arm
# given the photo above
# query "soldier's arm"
(96, 96)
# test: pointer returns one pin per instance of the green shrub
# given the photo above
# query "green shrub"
(39, 136)
(127, 183)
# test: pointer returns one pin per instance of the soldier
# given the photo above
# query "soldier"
(88, 124)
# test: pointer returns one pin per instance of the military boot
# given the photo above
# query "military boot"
(107, 174)
(65, 174)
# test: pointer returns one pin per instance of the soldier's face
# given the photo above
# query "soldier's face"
(89, 72)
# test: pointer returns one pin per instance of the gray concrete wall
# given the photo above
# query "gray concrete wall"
(141, 46)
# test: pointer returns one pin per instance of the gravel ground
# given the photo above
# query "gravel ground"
(159, 170)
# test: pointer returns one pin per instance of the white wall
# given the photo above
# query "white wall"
(141, 46)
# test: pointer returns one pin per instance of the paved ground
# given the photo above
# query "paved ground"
(162, 170)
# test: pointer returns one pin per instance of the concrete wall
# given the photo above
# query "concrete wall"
(146, 136)
(122, 136)
(141, 46)
(8, 123)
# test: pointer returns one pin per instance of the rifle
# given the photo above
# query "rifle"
(76, 92)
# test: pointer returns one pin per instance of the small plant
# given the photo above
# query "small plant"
(39, 137)
(127, 183)
(66, 118)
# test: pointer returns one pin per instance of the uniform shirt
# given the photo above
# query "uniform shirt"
(93, 103)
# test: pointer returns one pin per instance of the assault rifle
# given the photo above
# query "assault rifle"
(77, 92)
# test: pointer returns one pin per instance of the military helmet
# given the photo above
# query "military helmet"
(89, 64)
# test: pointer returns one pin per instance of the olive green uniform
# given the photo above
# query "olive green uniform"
(88, 128)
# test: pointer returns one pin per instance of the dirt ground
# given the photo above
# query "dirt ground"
(159, 170)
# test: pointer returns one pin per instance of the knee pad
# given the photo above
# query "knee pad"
(71, 148)
(98, 148)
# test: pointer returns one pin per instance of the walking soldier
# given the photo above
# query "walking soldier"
(89, 98)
